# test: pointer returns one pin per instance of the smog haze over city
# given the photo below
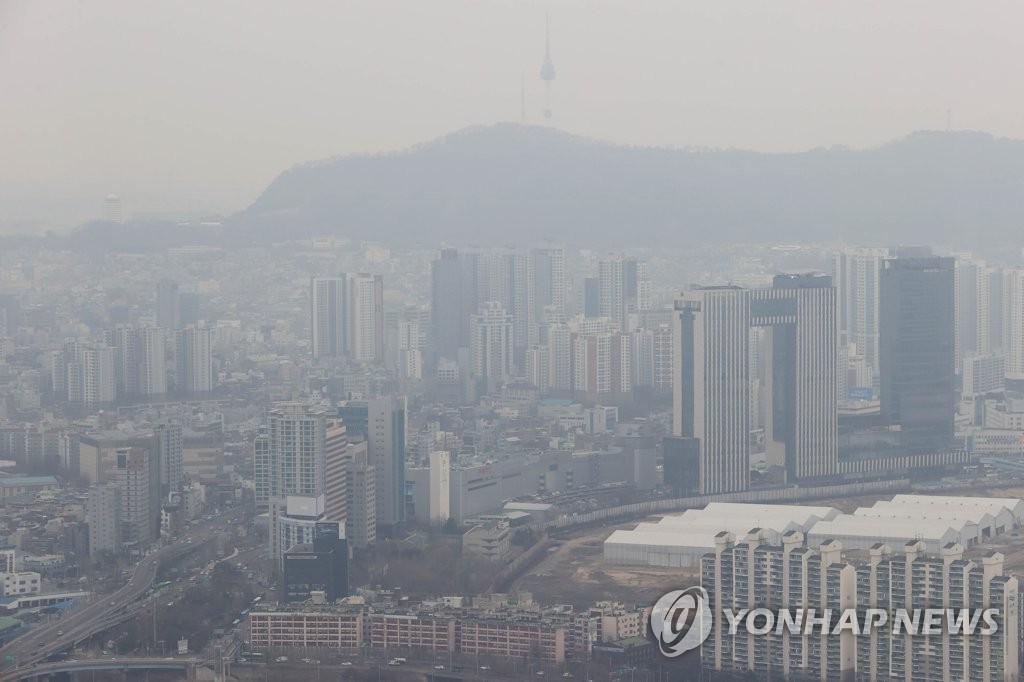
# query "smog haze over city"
(462, 340)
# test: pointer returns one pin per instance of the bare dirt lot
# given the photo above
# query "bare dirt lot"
(575, 573)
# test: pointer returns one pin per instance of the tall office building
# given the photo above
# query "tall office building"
(386, 450)
(318, 567)
(103, 514)
(170, 454)
(801, 428)
(856, 273)
(446, 307)
(491, 347)
(336, 461)
(712, 384)
(361, 518)
(194, 360)
(294, 521)
(918, 386)
(440, 494)
(167, 305)
(151, 354)
(132, 475)
(327, 321)
(263, 470)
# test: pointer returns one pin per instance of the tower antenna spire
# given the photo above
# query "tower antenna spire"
(547, 69)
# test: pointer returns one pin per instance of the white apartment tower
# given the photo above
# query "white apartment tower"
(365, 303)
(491, 331)
(856, 275)
(194, 359)
(151, 354)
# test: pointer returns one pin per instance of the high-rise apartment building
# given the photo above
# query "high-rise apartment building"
(85, 374)
(790, 576)
(754, 574)
(297, 441)
(151, 353)
(492, 345)
(624, 288)
(972, 308)
(124, 340)
(327, 321)
(365, 303)
(1012, 318)
(170, 454)
(549, 281)
(194, 360)
(856, 273)
(917, 351)
(347, 317)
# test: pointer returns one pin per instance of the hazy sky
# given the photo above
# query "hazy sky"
(198, 104)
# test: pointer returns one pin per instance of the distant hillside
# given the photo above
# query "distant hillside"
(514, 184)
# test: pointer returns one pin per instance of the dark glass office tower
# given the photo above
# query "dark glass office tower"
(916, 351)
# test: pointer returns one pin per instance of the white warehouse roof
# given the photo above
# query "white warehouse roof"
(990, 505)
(861, 532)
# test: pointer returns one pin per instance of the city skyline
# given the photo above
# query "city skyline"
(177, 154)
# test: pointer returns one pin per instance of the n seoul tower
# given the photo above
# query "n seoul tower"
(547, 70)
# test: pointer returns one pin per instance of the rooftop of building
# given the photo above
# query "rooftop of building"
(27, 480)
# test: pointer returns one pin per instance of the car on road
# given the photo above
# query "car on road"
(346, 663)
(438, 667)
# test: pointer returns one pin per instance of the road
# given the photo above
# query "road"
(102, 664)
(83, 623)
